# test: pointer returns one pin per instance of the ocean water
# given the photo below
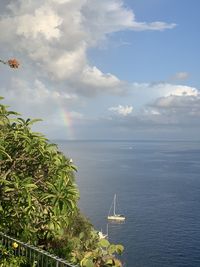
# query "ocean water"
(158, 190)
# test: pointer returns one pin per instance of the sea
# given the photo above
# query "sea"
(157, 184)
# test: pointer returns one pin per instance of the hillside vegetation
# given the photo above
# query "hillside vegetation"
(39, 197)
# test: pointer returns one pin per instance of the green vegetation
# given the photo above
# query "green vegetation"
(8, 257)
(38, 198)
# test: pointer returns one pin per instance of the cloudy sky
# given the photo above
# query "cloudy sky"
(109, 69)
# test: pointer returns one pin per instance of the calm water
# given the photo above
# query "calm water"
(158, 189)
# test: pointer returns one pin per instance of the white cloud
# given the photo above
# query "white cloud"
(181, 110)
(146, 93)
(94, 77)
(122, 110)
(173, 107)
(178, 102)
(167, 89)
(44, 22)
(154, 26)
(35, 99)
(51, 38)
(181, 76)
(107, 16)
(92, 81)
(37, 23)
(68, 65)
(168, 117)
(181, 90)
(55, 35)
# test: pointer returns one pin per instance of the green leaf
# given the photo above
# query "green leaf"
(30, 122)
(104, 243)
(119, 249)
(2, 150)
(87, 263)
(7, 190)
(109, 262)
(81, 235)
(21, 120)
(112, 249)
(31, 186)
(13, 113)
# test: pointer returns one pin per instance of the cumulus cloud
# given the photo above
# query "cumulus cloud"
(35, 98)
(174, 104)
(147, 92)
(177, 108)
(177, 104)
(182, 90)
(51, 38)
(68, 65)
(44, 22)
(122, 110)
(55, 36)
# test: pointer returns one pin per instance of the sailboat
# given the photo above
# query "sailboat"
(102, 235)
(114, 216)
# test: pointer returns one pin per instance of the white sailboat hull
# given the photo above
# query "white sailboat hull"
(116, 218)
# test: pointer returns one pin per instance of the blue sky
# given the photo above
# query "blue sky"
(104, 69)
(152, 55)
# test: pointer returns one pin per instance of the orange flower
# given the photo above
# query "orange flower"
(13, 63)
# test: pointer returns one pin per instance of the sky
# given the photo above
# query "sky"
(109, 69)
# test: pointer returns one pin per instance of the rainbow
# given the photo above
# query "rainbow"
(67, 119)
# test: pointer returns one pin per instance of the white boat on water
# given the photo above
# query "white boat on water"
(114, 216)
(102, 235)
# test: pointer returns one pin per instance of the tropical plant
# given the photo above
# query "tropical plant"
(102, 256)
(8, 257)
(38, 197)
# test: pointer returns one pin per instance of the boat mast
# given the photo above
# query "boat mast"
(114, 204)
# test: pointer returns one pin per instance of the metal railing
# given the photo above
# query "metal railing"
(40, 257)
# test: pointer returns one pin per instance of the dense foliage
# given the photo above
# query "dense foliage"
(38, 196)
(8, 257)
